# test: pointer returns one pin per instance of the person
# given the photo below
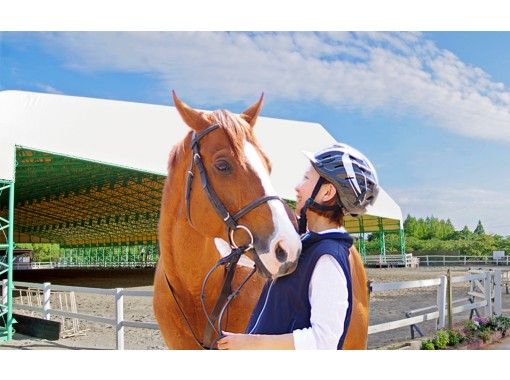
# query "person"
(311, 307)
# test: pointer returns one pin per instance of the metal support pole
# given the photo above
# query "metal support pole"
(6, 331)
(402, 245)
(362, 242)
(382, 242)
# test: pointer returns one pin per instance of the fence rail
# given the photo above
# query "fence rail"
(489, 299)
(460, 260)
(70, 265)
(489, 284)
(405, 260)
(118, 322)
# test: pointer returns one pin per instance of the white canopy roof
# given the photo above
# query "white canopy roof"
(140, 136)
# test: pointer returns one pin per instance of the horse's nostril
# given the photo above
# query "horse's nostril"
(281, 254)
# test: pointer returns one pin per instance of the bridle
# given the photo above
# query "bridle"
(230, 261)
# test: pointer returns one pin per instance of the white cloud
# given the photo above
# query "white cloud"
(391, 72)
(464, 206)
(47, 88)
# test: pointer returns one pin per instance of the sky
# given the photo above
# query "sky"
(431, 110)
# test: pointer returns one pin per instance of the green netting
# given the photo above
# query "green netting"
(109, 256)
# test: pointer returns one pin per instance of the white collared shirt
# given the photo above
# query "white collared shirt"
(328, 297)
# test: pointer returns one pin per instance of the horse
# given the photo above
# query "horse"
(221, 150)
(192, 232)
(357, 331)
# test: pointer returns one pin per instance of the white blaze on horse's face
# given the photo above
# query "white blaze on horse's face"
(284, 244)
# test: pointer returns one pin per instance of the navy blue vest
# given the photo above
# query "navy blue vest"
(287, 307)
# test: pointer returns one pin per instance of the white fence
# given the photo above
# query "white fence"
(389, 260)
(118, 293)
(485, 291)
(446, 260)
(64, 265)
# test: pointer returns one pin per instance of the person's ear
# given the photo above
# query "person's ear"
(329, 194)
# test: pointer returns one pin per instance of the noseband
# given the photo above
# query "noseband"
(230, 261)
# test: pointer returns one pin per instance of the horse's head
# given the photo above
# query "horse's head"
(236, 171)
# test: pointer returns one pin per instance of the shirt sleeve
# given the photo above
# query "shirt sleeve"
(329, 300)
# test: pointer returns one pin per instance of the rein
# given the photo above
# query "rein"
(230, 261)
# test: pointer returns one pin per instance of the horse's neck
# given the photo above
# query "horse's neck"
(187, 257)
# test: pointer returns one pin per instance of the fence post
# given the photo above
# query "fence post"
(4, 292)
(119, 317)
(464, 260)
(488, 296)
(449, 298)
(441, 302)
(46, 300)
(427, 260)
(497, 292)
(444, 261)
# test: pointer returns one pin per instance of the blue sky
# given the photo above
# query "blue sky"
(432, 110)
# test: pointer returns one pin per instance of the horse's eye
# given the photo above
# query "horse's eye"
(223, 166)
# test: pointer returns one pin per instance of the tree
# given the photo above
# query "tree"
(479, 230)
(465, 233)
(410, 226)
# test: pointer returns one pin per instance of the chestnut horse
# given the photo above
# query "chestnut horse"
(191, 233)
(238, 172)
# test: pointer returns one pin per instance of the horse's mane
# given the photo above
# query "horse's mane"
(237, 131)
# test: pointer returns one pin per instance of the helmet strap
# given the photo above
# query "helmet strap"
(312, 205)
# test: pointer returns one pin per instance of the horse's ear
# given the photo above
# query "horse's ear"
(194, 119)
(251, 113)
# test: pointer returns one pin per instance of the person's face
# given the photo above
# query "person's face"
(305, 187)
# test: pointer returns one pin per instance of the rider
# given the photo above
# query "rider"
(311, 307)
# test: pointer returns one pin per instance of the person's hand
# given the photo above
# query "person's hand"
(232, 341)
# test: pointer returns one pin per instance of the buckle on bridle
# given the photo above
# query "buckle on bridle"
(233, 242)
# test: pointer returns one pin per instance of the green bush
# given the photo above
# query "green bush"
(454, 337)
(485, 335)
(501, 323)
(441, 340)
(478, 328)
(427, 345)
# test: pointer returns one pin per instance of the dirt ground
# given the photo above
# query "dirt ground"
(384, 307)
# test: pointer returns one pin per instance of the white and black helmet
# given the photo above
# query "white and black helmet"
(352, 174)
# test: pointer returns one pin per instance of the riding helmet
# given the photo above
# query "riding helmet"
(352, 174)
